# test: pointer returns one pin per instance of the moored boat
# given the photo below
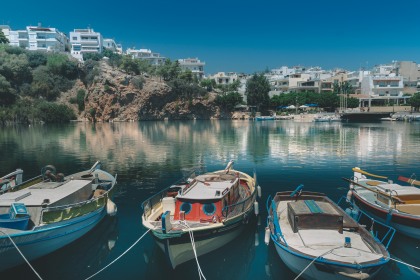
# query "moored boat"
(318, 240)
(265, 118)
(50, 211)
(201, 213)
(394, 204)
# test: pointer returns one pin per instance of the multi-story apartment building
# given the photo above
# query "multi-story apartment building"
(146, 54)
(194, 65)
(38, 38)
(410, 71)
(223, 78)
(6, 30)
(112, 45)
(85, 41)
(381, 88)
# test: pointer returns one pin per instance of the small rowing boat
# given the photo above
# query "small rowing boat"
(393, 204)
(47, 212)
(319, 240)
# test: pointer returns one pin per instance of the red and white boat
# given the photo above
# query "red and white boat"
(393, 204)
(200, 214)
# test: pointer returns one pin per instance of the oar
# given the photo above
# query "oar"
(375, 191)
(367, 173)
(409, 180)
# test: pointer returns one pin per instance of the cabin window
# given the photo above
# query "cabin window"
(186, 207)
(209, 209)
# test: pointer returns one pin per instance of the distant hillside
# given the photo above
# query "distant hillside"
(53, 87)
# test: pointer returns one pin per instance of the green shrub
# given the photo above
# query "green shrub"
(137, 82)
(81, 99)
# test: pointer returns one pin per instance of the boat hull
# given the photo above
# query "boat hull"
(297, 263)
(179, 249)
(404, 224)
(40, 242)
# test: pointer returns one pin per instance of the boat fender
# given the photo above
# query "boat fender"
(257, 239)
(389, 216)
(354, 213)
(348, 211)
(267, 236)
(259, 191)
(349, 193)
(256, 208)
(111, 208)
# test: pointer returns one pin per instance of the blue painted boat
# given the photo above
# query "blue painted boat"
(265, 118)
(318, 240)
(45, 216)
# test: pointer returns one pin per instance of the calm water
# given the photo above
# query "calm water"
(148, 156)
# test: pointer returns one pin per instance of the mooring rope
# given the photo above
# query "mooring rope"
(303, 271)
(14, 244)
(129, 248)
(190, 232)
(407, 264)
(395, 260)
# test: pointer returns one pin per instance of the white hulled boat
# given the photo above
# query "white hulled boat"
(50, 211)
(393, 204)
(212, 207)
(317, 239)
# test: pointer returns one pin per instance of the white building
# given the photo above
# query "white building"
(194, 65)
(382, 88)
(37, 38)
(112, 45)
(223, 78)
(145, 54)
(85, 41)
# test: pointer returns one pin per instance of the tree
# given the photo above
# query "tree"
(129, 65)
(328, 100)
(3, 39)
(229, 101)
(208, 84)
(257, 89)
(7, 95)
(414, 101)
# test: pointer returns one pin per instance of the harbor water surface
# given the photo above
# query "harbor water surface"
(149, 156)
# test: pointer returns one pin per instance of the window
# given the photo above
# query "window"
(209, 209)
(74, 38)
(186, 207)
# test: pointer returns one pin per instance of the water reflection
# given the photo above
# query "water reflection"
(148, 156)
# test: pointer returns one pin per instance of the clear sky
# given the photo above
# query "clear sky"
(242, 36)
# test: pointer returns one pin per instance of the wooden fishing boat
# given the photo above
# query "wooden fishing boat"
(50, 211)
(200, 214)
(319, 240)
(394, 204)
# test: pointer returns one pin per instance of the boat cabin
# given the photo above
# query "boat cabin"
(204, 198)
(313, 214)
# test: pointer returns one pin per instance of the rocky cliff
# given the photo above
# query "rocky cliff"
(114, 96)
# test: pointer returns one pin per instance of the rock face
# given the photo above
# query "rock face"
(114, 96)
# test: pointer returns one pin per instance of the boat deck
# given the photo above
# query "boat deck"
(58, 193)
(324, 242)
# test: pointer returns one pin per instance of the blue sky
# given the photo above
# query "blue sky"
(242, 36)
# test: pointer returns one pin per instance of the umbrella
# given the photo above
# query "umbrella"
(303, 106)
(291, 107)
